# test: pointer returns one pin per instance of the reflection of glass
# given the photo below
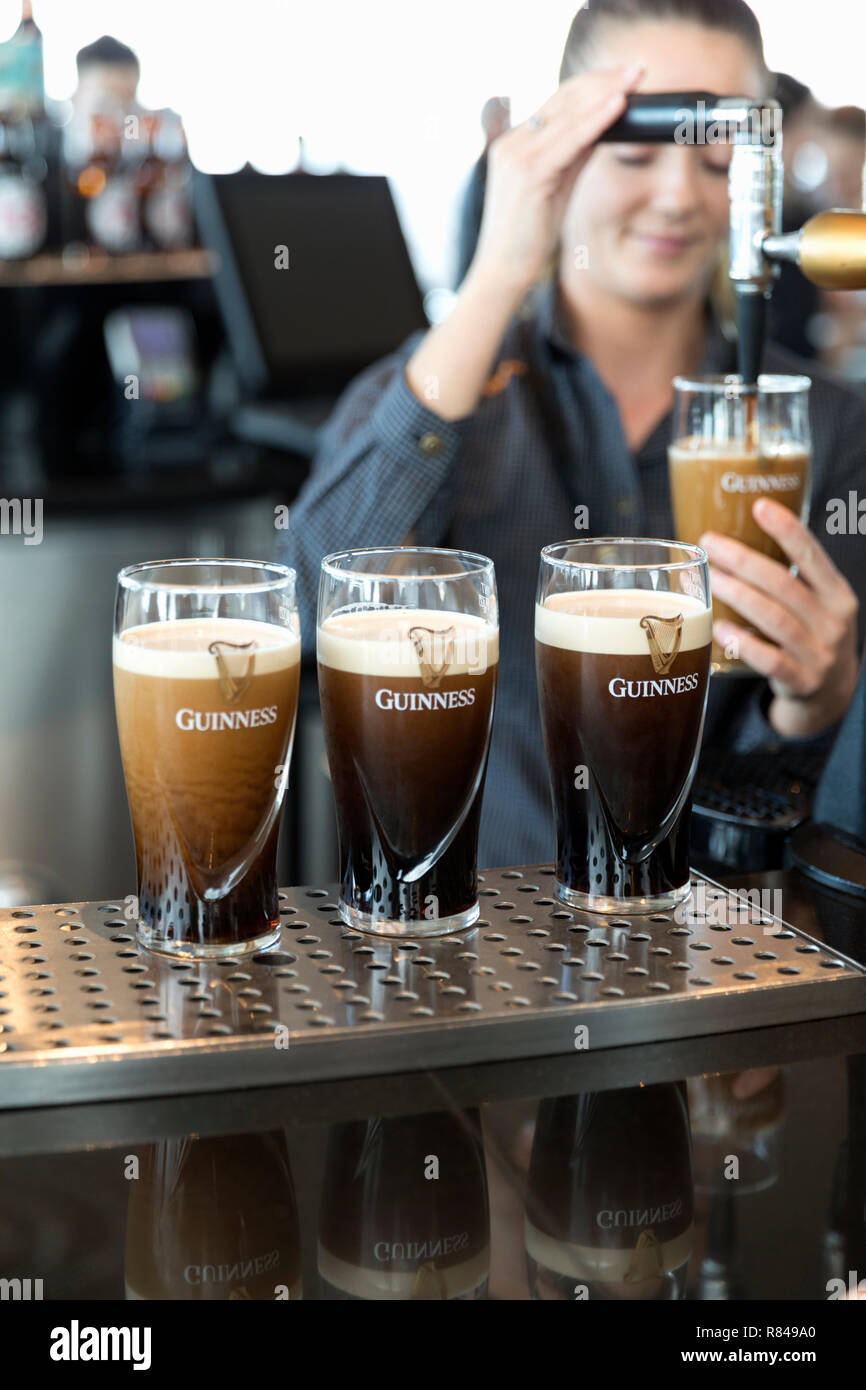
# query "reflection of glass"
(746, 1128)
(214, 1219)
(609, 1205)
(408, 648)
(206, 671)
(404, 1210)
(728, 450)
(622, 649)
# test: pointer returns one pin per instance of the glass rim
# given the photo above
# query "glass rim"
(696, 556)
(480, 564)
(731, 384)
(130, 576)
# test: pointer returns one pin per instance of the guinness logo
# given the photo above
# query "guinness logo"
(435, 651)
(429, 1283)
(234, 679)
(664, 636)
(646, 1261)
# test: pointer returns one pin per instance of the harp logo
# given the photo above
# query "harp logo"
(234, 668)
(435, 652)
(664, 636)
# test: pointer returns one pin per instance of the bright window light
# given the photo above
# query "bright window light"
(389, 86)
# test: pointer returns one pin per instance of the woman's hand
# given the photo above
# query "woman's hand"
(531, 171)
(810, 619)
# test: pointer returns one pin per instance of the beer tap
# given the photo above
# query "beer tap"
(830, 248)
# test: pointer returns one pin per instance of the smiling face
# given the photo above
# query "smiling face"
(653, 217)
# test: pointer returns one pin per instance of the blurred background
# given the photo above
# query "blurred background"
(161, 389)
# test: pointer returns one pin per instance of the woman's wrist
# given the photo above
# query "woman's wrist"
(449, 367)
(494, 287)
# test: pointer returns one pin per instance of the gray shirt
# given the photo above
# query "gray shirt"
(545, 438)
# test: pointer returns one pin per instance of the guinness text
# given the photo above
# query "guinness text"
(423, 699)
(668, 685)
(761, 482)
(211, 721)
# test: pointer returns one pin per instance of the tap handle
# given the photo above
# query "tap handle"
(681, 117)
(653, 117)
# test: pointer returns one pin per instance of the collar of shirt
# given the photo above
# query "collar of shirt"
(719, 351)
(719, 356)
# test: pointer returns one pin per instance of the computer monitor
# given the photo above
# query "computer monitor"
(314, 279)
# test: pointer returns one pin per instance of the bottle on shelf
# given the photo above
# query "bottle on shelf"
(166, 193)
(23, 203)
(103, 212)
(22, 82)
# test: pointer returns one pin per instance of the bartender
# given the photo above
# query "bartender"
(596, 280)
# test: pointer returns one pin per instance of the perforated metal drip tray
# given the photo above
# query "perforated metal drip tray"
(86, 1015)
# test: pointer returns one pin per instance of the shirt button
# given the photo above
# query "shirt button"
(623, 505)
(431, 444)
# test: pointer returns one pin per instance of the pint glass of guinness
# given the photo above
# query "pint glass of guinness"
(206, 671)
(730, 447)
(610, 1197)
(386, 1232)
(623, 630)
(213, 1218)
(408, 651)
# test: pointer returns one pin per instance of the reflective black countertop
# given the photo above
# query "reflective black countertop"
(728, 1166)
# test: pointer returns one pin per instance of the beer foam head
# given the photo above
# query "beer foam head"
(737, 452)
(180, 650)
(608, 621)
(405, 641)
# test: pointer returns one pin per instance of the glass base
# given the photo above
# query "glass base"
(386, 926)
(622, 907)
(204, 950)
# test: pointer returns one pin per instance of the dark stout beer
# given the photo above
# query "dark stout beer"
(206, 715)
(404, 1209)
(407, 706)
(609, 1211)
(622, 682)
